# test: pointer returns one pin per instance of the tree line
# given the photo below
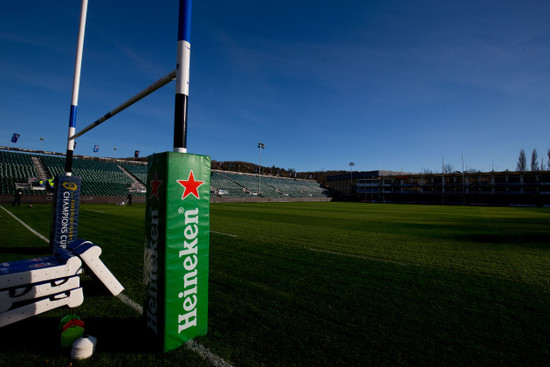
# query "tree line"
(535, 164)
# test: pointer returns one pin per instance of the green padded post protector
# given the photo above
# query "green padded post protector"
(176, 255)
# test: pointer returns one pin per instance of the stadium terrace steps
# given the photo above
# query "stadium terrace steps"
(99, 178)
(15, 168)
(139, 171)
(221, 185)
(137, 184)
(40, 168)
(111, 179)
(228, 184)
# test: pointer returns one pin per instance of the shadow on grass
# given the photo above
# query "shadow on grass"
(40, 336)
(525, 240)
(473, 232)
(278, 306)
(36, 335)
(45, 250)
(120, 335)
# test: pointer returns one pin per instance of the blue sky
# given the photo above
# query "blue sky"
(390, 85)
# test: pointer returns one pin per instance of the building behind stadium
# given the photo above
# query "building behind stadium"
(481, 188)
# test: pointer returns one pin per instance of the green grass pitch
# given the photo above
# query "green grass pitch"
(320, 284)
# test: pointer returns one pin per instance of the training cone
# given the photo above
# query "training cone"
(69, 335)
(71, 328)
(71, 316)
(73, 323)
(83, 347)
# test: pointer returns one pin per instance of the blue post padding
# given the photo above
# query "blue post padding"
(29, 264)
(63, 254)
(78, 247)
(64, 228)
(60, 257)
(72, 116)
(184, 21)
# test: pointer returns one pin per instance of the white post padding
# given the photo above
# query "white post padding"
(34, 291)
(72, 298)
(50, 282)
(25, 272)
(89, 253)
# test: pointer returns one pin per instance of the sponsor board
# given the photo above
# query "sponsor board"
(176, 254)
(64, 226)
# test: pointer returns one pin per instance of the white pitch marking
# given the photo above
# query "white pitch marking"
(200, 349)
(207, 354)
(97, 211)
(130, 302)
(224, 234)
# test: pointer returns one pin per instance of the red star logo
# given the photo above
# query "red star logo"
(155, 184)
(191, 186)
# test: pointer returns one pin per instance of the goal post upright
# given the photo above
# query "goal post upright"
(182, 76)
(177, 222)
(66, 199)
(76, 88)
(177, 217)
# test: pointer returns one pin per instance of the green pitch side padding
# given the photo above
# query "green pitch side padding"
(177, 222)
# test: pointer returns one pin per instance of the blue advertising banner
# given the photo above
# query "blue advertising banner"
(64, 227)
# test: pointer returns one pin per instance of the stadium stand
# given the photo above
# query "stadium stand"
(99, 178)
(231, 184)
(138, 170)
(112, 180)
(221, 185)
(15, 168)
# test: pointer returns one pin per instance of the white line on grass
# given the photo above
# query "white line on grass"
(358, 256)
(224, 234)
(130, 302)
(97, 211)
(25, 225)
(201, 350)
(207, 354)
